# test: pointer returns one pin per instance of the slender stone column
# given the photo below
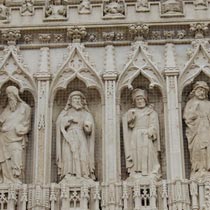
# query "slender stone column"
(42, 142)
(175, 161)
(110, 145)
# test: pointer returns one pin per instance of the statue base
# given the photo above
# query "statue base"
(201, 176)
(142, 179)
(73, 181)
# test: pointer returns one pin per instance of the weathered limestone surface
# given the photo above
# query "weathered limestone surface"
(104, 104)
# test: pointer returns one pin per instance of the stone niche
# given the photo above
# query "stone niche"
(28, 98)
(185, 98)
(94, 103)
(156, 100)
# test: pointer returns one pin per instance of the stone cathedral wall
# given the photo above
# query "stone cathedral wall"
(105, 49)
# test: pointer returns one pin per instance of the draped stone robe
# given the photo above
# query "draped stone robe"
(75, 143)
(197, 119)
(14, 127)
(141, 141)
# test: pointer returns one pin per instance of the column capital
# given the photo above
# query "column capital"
(110, 75)
(43, 76)
(171, 71)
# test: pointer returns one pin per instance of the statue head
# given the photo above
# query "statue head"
(76, 100)
(140, 98)
(200, 90)
(13, 97)
(12, 92)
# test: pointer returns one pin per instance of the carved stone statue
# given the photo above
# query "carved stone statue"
(172, 6)
(84, 7)
(114, 8)
(200, 2)
(141, 138)
(4, 12)
(197, 119)
(27, 7)
(142, 5)
(14, 125)
(75, 139)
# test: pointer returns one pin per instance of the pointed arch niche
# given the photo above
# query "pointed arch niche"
(196, 69)
(95, 106)
(185, 94)
(77, 73)
(14, 72)
(126, 103)
(27, 97)
(140, 72)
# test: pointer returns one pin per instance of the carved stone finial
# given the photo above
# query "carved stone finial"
(199, 29)
(76, 33)
(11, 36)
(139, 31)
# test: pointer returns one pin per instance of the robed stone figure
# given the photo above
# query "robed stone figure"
(197, 119)
(141, 138)
(75, 139)
(14, 126)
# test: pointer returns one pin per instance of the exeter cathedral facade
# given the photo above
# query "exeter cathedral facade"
(104, 105)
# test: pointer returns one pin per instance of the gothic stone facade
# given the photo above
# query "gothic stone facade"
(105, 49)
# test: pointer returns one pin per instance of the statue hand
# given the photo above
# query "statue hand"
(131, 113)
(87, 127)
(3, 129)
(71, 119)
(131, 118)
(129, 158)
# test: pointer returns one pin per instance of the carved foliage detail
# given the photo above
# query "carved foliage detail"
(76, 65)
(11, 36)
(76, 33)
(199, 29)
(138, 31)
(12, 68)
(199, 62)
(140, 62)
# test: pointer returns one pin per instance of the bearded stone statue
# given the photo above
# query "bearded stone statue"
(75, 139)
(14, 126)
